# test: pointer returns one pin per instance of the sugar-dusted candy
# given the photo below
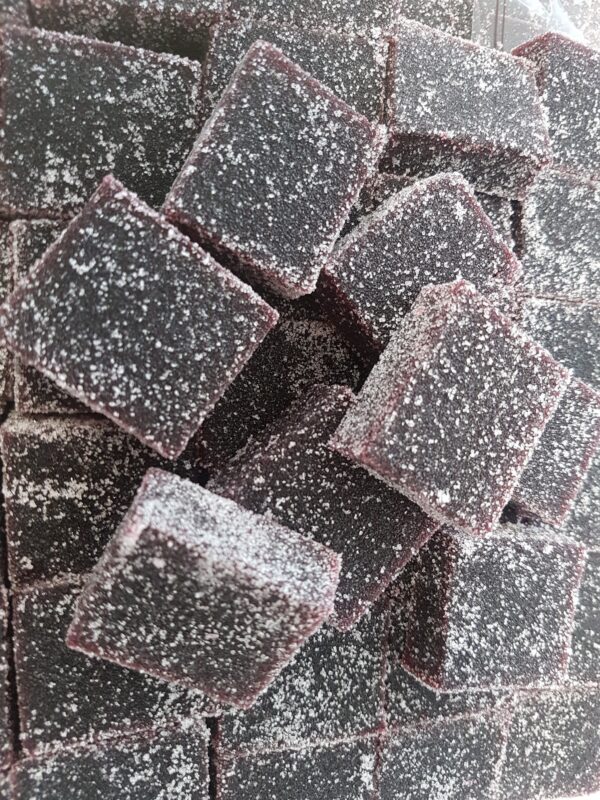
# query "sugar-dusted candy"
(65, 697)
(553, 745)
(585, 662)
(331, 771)
(180, 27)
(6, 722)
(155, 373)
(495, 612)
(199, 591)
(67, 483)
(555, 475)
(454, 408)
(499, 146)
(15, 12)
(273, 198)
(170, 763)
(560, 237)
(451, 16)
(135, 113)
(6, 285)
(291, 474)
(568, 77)
(434, 231)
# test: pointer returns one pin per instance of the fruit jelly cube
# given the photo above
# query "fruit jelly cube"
(285, 159)
(332, 771)
(68, 481)
(291, 474)
(560, 237)
(568, 76)
(14, 12)
(496, 612)
(353, 67)
(553, 745)
(585, 664)
(181, 28)
(454, 759)
(431, 232)
(331, 690)
(65, 697)
(199, 591)
(6, 285)
(6, 727)
(135, 113)
(454, 408)
(583, 524)
(451, 16)
(155, 373)
(171, 764)
(499, 146)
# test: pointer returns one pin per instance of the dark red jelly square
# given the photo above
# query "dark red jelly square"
(585, 664)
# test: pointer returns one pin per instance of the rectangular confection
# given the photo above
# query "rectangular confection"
(450, 430)
(155, 373)
(197, 590)
(549, 487)
(125, 95)
(560, 237)
(6, 285)
(568, 77)
(434, 231)
(65, 697)
(553, 746)
(180, 27)
(6, 721)
(451, 16)
(291, 474)
(171, 764)
(273, 198)
(585, 662)
(495, 612)
(499, 146)
(67, 483)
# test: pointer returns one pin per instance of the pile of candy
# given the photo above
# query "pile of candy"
(300, 384)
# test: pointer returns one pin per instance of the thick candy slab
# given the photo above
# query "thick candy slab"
(499, 146)
(450, 16)
(65, 697)
(197, 590)
(273, 198)
(549, 487)
(495, 612)
(553, 746)
(173, 762)
(431, 232)
(67, 484)
(291, 474)
(6, 285)
(560, 237)
(6, 729)
(585, 664)
(180, 27)
(130, 97)
(454, 408)
(568, 77)
(155, 373)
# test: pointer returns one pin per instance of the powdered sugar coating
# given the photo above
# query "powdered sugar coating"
(291, 474)
(431, 232)
(65, 697)
(6, 733)
(451, 16)
(454, 408)
(6, 285)
(14, 12)
(136, 119)
(431, 73)
(494, 612)
(273, 196)
(568, 77)
(197, 590)
(167, 765)
(583, 524)
(584, 666)
(155, 373)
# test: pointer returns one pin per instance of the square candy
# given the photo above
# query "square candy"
(431, 232)
(65, 697)
(292, 475)
(568, 77)
(499, 146)
(67, 483)
(451, 16)
(171, 764)
(549, 487)
(6, 285)
(585, 659)
(454, 408)
(197, 590)
(126, 96)
(496, 612)
(155, 373)
(274, 197)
